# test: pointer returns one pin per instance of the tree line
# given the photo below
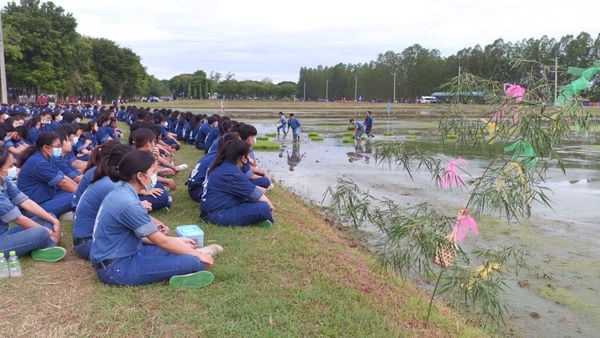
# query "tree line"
(420, 71)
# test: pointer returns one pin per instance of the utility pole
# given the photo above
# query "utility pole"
(394, 99)
(355, 86)
(327, 90)
(304, 96)
(555, 78)
(2, 68)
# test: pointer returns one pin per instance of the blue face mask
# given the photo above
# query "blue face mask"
(56, 152)
(12, 173)
(153, 180)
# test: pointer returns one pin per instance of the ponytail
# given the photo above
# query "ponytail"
(110, 162)
(230, 153)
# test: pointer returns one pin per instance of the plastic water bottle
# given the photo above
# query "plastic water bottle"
(14, 266)
(3, 266)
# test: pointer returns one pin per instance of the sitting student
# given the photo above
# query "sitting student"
(37, 235)
(196, 179)
(87, 142)
(87, 209)
(224, 127)
(123, 226)
(227, 191)
(258, 176)
(33, 127)
(143, 139)
(66, 158)
(212, 122)
(214, 134)
(166, 136)
(41, 180)
(13, 141)
(88, 173)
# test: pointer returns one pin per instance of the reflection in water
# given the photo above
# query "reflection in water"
(361, 153)
(295, 158)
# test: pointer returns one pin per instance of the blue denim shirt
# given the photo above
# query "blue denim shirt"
(226, 187)
(83, 184)
(121, 224)
(87, 209)
(10, 198)
(198, 174)
(293, 123)
(39, 178)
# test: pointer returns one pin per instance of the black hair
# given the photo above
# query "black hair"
(133, 162)
(212, 119)
(369, 112)
(141, 136)
(246, 131)
(2, 134)
(292, 114)
(3, 156)
(44, 139)
(98, 152)
(225, 126)
(230, 153)
(280, 113)
(7, 125)
(351, 121)
(110, 161)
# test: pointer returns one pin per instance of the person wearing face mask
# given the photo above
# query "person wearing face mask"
(166, 136)
(89, 204)
(143, 139)
(87, 141)
(46, 121)
(203, 131)
(128, 247)
(38, 234)
(63, 162)
(229, 197)
(57, 117)
(40, 178)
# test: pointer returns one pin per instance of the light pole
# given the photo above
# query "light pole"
(355, 86)
(394, 99)
(2, 68)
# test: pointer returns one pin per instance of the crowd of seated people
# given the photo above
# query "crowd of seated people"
(65, 163)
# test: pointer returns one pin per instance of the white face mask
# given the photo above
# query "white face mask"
(75, 140)
(12, 172)
(60, 117)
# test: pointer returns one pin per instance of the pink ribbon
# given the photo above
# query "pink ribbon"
(450, 177)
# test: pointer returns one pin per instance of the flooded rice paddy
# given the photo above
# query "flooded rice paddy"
(558, 296)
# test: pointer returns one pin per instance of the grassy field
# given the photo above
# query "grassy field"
(303, 277)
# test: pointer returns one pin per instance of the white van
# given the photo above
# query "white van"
(428, 99)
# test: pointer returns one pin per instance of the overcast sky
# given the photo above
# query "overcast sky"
(267, 38)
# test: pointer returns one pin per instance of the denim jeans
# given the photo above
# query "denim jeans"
(262, 182)
(159, 202)
(151, 264)
(284, 127)
(83, 249)
(296, 134)
(242, 214)
(60, 204)
(23, 241)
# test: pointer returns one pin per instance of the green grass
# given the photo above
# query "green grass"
(348, 134)
(350, 128)
(388, 133)
(271, 134)
(262, 138)
(316, 138)
(312, 133)
(302, 277)
(265, 145)
(411, 137)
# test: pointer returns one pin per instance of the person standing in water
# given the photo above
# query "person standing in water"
(295, 125)
(282, 124)
(359, 131)
(369, 124)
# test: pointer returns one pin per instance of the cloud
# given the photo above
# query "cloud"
(267, 38)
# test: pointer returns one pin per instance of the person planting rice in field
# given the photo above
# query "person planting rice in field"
(359, 131)
(282, 124)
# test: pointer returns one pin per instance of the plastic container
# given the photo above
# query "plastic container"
(14, 266)
(191, 231)
(3, 266)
